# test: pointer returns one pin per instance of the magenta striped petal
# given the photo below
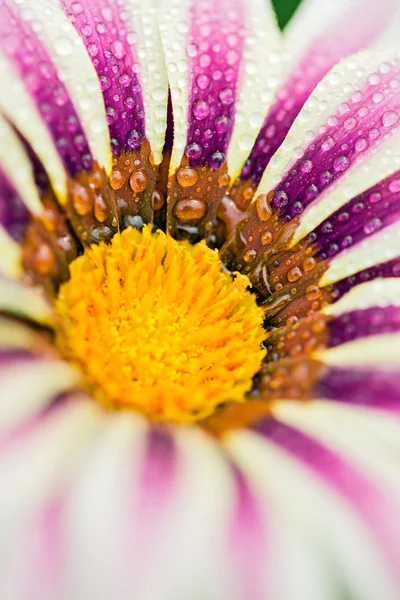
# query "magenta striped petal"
(387, 269)
(366, 20)
(378, 388)
(214, 78)
(14, 215)
(219, 68)
(375, 507)
(362, 323)
(356, 129)
(109, 42)
(26, 51)
(363, 216)
(248, 543)
(360, 127)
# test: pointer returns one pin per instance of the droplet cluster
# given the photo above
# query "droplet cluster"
(325, 50)
(363, 323)
(215, 54)
(99, 206)
(360, 218)
(193, 199)
(361, 123)
(110, 42)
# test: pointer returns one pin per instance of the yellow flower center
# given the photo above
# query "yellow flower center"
(156, 326)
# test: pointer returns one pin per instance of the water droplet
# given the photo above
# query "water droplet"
(117, 179)
(390, 118)
(394, 186)
(201, 109)
(63, 46)
(134, 139)
(138, 181)
(263, 208)
(375, 197)
(193, 151)
(280, 199)
(372, 225)
(226, 96)
(341, 163)
(327, 143)
(82, 199)
(216, 159)
(249, 255)
(100, 208)
(361, 144)
(187, 176)
(306, 166)
(309, 263)
(222, 124)
(294, 274)
(157, 200)
(203, 81)
(190, 209)
(266, 238)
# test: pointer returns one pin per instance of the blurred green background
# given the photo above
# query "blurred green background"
(285, 9)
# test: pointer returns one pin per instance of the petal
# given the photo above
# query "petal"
(356, 338)
(219, 67)
(352, 118)
(42, 31)
(123, 43)
(28, 386)
(316, 38)
(163, 502)
(50, 447)
(24, 301)
(321, 516)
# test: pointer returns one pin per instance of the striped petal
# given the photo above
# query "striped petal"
(123, 43)
(339, 513)
(336, 351)
(47, 110)
(316, 38)
(340, 157)
(24, 301)
(219, 67)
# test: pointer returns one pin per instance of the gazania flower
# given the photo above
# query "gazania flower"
(200, 252)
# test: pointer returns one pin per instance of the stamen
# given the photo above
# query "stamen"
(156, 326)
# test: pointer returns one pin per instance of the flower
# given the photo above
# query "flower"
(199, 378)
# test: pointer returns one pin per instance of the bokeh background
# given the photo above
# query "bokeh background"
(285, 9)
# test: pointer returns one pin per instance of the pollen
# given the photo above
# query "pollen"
(155, 325)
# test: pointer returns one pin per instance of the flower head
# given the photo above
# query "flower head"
(199, 331)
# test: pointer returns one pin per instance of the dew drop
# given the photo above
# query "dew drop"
(117, 179)
(266, 238)
(341, 163)
(249, 255)
(327, 143)
(294, 274)
(201, 109)
(190, 209)
(375, 197)
(193, 151)
(157, 200)
(100, 208)
(281, 199)
(187, 176)
(226, 96)
(390, 118)
(263, 208)
(138, 181)
(372, 225)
